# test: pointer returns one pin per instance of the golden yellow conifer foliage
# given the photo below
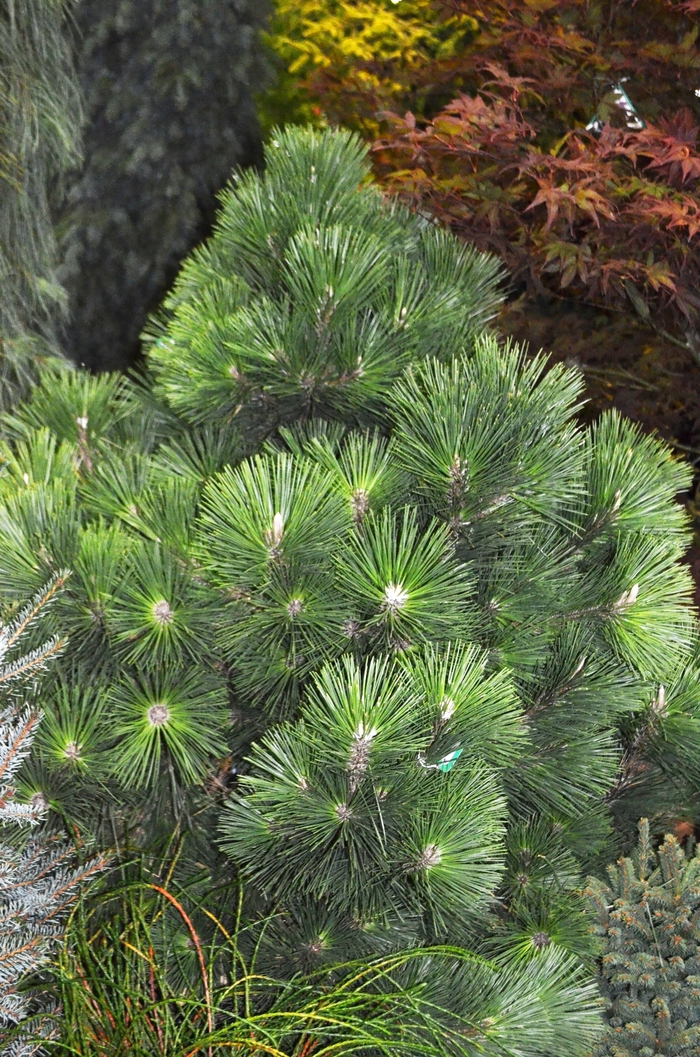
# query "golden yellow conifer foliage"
(344, 61)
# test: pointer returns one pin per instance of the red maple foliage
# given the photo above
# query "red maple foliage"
(571, 151)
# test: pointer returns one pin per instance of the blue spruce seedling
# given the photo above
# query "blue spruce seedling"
(649, 971)
(38, 879)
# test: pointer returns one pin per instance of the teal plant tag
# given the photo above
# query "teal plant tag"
(448, 762)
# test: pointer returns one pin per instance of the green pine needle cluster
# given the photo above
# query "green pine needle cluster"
(313, 295)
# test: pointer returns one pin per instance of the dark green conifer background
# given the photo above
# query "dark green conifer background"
(40, 118)
(167, 88)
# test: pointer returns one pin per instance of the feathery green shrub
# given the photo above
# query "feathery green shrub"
(152, 966)
(40, 116)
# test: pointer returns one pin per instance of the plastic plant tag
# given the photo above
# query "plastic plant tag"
(448, 762)
(625, 104)
(618, 97)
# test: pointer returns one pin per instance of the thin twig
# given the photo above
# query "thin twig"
(195, 940)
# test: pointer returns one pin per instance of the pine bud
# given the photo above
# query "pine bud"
(358, 760)
(627, 598)
(38, 801)
(431, 856)
(359, 504)
(458, 480)
(158, 715)
(447, 709)
(273, 538)
(658, 705)
(162, 613)
(394, 598)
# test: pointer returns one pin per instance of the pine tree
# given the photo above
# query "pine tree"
(38, 878)
(649, 971)
(354, 561)
(40, 113)
(167, 88)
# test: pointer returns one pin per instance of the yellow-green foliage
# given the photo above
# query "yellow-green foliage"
(342, 61)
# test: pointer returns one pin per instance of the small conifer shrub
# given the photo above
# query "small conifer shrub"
(355, 562)
(648, 918)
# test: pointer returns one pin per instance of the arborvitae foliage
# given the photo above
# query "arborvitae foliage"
(38, 878)
(168, 113)
(348, 525)
(39, 139)
(649, 971)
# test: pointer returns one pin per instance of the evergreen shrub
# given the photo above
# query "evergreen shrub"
(38, 876)
(648, 919)
(352, 568)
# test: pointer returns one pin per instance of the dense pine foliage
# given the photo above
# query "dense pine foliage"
(375, 649)
(350, 567)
